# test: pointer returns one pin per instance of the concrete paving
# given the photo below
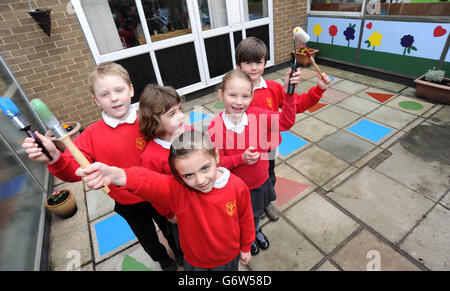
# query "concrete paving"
(368, 189)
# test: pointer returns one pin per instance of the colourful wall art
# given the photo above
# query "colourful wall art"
(409, 48)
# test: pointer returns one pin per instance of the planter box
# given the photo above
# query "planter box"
(302, 59)
(433, 91)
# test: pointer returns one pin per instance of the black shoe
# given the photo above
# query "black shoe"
(254, 250)
(168, 265)
(262, 243)
(180, 260)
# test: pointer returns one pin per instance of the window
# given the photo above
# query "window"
(213, 13)
(166, 18)
(255, 9)
(114, 23)
(409, 7)
(337, 5)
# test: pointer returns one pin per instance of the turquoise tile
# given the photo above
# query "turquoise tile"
(112, 232)
(370, 130)
(290, 143)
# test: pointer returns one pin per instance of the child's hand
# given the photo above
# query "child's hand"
(173, 220)
(35, 153)
(294, 80)
(250, 156)
(323, 81)
(245, 258)
(97, 175)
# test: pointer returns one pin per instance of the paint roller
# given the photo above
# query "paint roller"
(304, 38)
(12, 112)
(60, 133)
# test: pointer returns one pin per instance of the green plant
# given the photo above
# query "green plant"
(434, 75)
(57, 196)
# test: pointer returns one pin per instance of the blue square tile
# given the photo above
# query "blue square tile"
(197, 116)
(112, 232)
(290, 143)
(370, 130)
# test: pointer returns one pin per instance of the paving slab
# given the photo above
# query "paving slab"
(441, 117)
(69, 237)
(317, 164)
(98, 204)
(327, 266)
(366, 252)
(410, 105)
(429, 242)
(382, 203)
(291, 192)
(132, 259)
(332, 95)
(349, 87)
(358, 105)
(391, 117)
(288, 250)
(336, 116)
(313, 129)
(303, 86)
(346, 146)
(430, 178)
(327, 227)
(307, 74)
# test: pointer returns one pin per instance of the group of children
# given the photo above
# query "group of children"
(206, 191)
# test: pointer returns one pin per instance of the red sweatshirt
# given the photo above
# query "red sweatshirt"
(156, 158)
(214, 227)
(121, 147)
(261, 132)
(272, 97)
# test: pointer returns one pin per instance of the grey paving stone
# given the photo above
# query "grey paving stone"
(317, 164)
(429, 242)
(98, 204)
(358, 105)
(366, 252)
(313, 129)
(336, 116)
(346, 146)
(349, 87)
(320, 221)
(391, 117)
(288, 250)
(430, 178)
(385, 205)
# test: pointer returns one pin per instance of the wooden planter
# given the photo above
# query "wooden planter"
(302, 59)
(433, 91)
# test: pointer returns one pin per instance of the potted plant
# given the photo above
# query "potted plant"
(302, 58)
(433, 85)
(62, 203)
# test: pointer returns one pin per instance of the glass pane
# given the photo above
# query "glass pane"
(337, 5)
(140, 69)
(166, 18)
(255, 9)
(21, 197)
(213, 13)
(261, 32)
(237, 35)
(115, 24)
(218, 52)
(416, 7)
(178, 65)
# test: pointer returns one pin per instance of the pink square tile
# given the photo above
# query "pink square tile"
(287, 189)
(334, 96)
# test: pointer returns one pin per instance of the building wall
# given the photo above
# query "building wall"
(54, 69)
(287, 14)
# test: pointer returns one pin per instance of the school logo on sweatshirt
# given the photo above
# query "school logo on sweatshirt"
(269, 102)
(141, 143)
(231, 207)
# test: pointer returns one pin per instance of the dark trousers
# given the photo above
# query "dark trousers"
(140, 218)
(231, 266)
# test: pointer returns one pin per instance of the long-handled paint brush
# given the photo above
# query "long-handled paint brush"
(12, 112)
(60, 133)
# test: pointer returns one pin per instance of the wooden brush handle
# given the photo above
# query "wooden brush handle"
(78, 155)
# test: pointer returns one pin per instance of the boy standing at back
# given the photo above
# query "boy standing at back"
(251, 57)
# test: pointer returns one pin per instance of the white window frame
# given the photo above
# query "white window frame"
(197, 37)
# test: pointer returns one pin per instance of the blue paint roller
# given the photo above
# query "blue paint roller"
(12, 112)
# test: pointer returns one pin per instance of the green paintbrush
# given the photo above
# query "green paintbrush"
(60, 133)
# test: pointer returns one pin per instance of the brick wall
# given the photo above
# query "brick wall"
(287, 14)
(53, 68)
